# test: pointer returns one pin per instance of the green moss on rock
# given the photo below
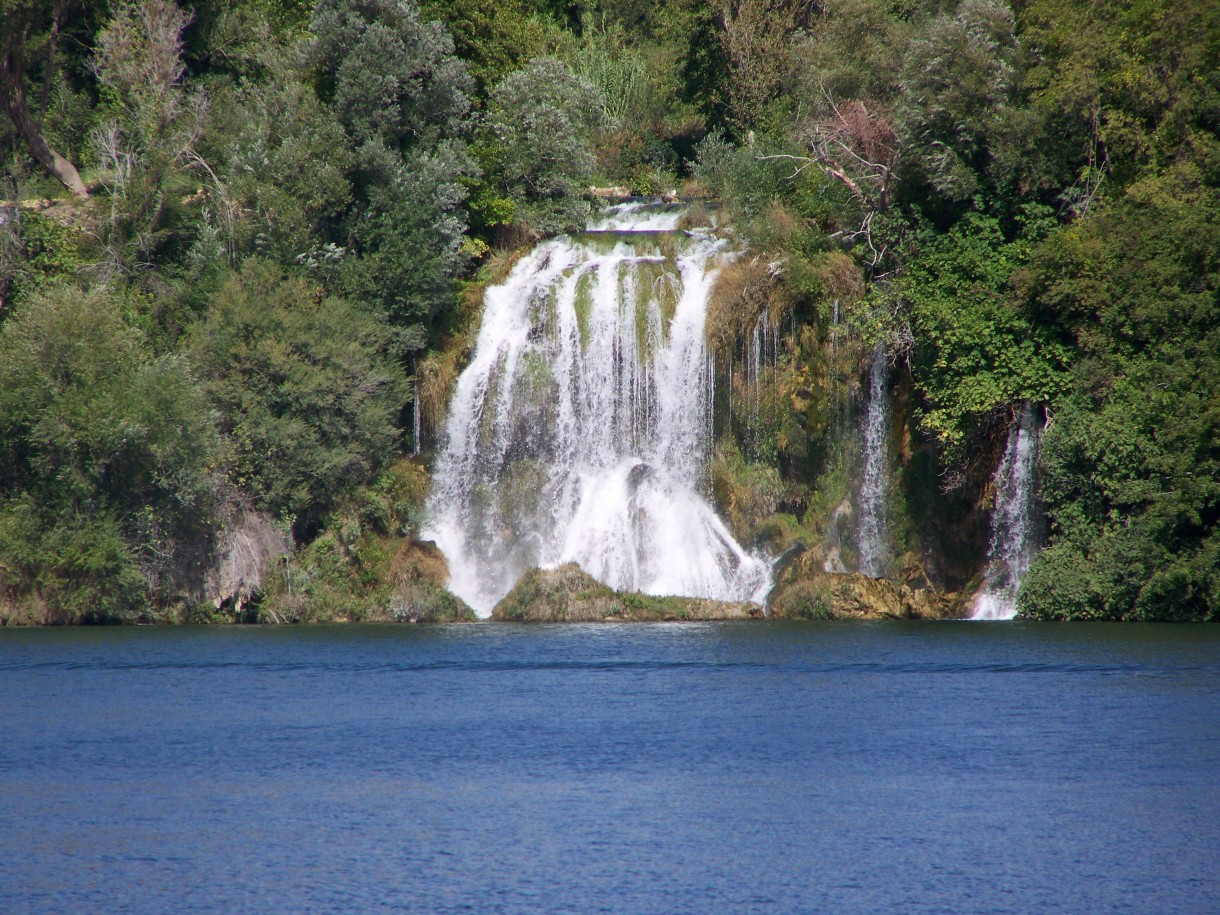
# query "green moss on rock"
(568, 594)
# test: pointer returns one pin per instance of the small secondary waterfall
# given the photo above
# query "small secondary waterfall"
(580, 430)
(871, 533)
(417, 432)
(1014, 535)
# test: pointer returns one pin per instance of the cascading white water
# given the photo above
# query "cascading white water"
(1014, 535)
(416, 421)
(871, 533)
(579, 431)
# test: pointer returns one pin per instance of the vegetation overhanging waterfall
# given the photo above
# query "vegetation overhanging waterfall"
(581, 428)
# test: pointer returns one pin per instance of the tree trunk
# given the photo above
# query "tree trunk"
(12, 95)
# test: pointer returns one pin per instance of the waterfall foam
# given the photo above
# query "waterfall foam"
(872, 533)
(580, 430)
(1014, 539)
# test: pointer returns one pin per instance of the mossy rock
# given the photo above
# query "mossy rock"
(428, 603)
(568, 594)
(419, 561)
(803, 600)
(805, 591)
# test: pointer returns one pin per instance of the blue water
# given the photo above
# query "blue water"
(755, 767)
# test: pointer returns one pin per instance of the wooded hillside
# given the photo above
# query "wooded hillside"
(242, 243)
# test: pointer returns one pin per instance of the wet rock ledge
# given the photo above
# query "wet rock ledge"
(568, 594)
(804, 591)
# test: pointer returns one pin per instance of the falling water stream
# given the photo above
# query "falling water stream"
(1014, 538)
(580, 430)
(872, 535)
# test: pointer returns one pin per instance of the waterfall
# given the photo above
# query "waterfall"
(581, 428)
(416, 419)
(871, 534)
(1014, 539)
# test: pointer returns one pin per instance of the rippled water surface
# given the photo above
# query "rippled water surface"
(669, 768)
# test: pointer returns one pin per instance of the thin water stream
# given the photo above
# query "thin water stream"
(1014, 532)
(872, 535)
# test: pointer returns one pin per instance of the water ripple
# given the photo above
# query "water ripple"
(607, 665)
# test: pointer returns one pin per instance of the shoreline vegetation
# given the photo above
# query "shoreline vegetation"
(244, 243)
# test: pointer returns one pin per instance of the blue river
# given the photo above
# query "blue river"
(686, 768)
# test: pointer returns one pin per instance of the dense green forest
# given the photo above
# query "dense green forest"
(242, 244)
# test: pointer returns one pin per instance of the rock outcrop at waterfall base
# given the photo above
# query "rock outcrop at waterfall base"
(805, 591)
(418, 574)
(568, 594)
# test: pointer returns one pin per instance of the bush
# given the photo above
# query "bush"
(105, 452)
(308, 397)
(540, 139)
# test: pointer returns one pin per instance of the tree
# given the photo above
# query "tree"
(1131, 459)
(493, 37)
(402, 96)
(956, 83)
(24, 24)
(411, 239)
(149, 139)
(394, 79)
(756, 42)
(307, 396)
(539, 135)
(105, 449)
(284, 168)
(976, 352)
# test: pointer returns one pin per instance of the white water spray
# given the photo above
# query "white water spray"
(580, 430)
(1014, 539)
(872, 532)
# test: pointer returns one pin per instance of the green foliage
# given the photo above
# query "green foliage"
(804, 600)
(1031, 189)
(307, 396)
(1121, 87)
(284, 162)
(539, 132)
(747, 179)
(854, 50)
(958, 78)
(105, 452)
(755, 39)
(403, 97)
(365, 567)
(976, 351)
(38, 250)
(493, 37)
(411, 240)
(86, 407)
(1131, 462)
(748, 493)
(393, 78)
(146, 142)
(69, 566)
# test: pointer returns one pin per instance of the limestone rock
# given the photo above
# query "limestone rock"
(419, 561)
(418, 573)
(568, 594)
(249, 546)
(805, 591)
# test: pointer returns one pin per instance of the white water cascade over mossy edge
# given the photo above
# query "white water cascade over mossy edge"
(873, 533)
(1014, 529)
(580, 430)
